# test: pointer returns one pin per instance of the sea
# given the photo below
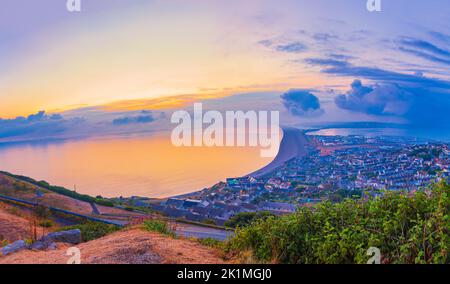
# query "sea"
(147, 166)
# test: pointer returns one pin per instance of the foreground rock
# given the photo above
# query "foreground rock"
(70, 237)
(48, 241)
(14, 247)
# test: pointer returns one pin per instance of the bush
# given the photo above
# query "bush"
(159, 227)
(245, 219)
(92, 230)
(104, 202)
(210, 242)
(46, 223)
(209, 222)
(406, 228)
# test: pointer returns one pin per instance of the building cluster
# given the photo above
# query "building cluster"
(337, 168)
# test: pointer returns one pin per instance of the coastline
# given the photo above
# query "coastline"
(292, 145)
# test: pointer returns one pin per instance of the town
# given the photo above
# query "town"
(336, 167)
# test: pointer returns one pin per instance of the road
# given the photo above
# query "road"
(188, 230)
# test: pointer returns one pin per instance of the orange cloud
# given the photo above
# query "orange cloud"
(160, 103)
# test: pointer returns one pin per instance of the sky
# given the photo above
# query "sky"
(123, 66)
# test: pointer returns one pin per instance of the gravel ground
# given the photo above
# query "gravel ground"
(130, 246)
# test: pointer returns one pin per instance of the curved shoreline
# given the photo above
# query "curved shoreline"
(293, 145)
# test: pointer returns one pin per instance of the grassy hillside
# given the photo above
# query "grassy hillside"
(61, 190)
(407, 228)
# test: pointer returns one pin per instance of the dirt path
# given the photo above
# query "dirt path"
(132, 246)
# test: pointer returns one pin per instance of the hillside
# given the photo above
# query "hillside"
(14, 224)
(16, 188)
(406, 227)
(129, 246)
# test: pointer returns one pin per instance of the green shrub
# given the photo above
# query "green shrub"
(46, 223)
(209, 222)
(406, 228)
(159, 227)
(210, 242)
(244, 219)
(92, 230)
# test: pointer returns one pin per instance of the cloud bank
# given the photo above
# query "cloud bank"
(301, 103)
(144, 117)
(422, 101)
(80, 123)
(380, 99)
(293, 47)
(36, 125)
(425, 50)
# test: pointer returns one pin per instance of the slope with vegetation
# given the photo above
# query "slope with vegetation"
(406, 227)
(151, 243)
(61, 190)
(24, 188)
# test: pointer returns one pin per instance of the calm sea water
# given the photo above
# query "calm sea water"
(148, 166)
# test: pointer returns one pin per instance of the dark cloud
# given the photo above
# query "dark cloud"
(327, 62)
(37, 117)
(324, 37)
(384, 99)
(425, 46)
(145, 117)
(293, 47)
(440, 36)
(39, 125)
(265, 42)
(426, 56)
(425, 50)
(56, 117)
(344, 68)
(423, 107)
(339, 56)
(421, 100)
(301, 103)
(74, 124)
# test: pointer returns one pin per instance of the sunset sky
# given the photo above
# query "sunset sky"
(127, 55)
